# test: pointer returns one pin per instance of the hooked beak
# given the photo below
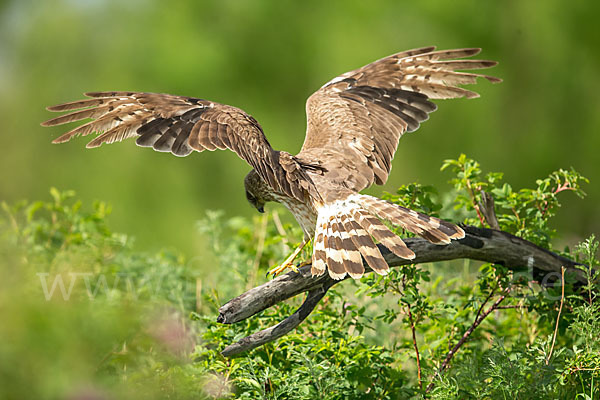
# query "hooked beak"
(261, 209)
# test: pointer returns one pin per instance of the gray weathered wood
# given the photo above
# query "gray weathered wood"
(479, 244)
(275, 332)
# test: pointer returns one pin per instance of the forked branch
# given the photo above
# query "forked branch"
(479, 244)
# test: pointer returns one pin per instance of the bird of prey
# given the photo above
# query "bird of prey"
(354, 123)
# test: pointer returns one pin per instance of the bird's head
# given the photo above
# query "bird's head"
(257, 191)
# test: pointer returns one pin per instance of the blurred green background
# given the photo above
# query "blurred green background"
(267, 57)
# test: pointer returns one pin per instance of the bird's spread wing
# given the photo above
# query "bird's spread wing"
(181, 125)
(354, 121)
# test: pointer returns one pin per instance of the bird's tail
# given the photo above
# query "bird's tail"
(346, 232)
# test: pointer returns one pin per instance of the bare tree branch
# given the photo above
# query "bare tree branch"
(275, 332)
(479, 244)
(487, 209)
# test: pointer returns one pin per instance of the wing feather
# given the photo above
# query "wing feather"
(357, 118)
(180, 125)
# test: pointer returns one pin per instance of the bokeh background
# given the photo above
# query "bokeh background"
(267, 57)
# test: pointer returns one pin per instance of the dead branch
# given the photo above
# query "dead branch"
(481, 244)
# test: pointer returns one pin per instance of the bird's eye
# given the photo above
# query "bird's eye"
(250, 197)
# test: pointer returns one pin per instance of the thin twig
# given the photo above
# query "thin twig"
(414, 339)
(562, 300)
(474, 199)
(559, 188)
(585, 369)
(400, 292)
(489, 296)
(262, 233)
(280, 229)
(514, 306)
(465, 336)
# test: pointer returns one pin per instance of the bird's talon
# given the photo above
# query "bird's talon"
(274, 272)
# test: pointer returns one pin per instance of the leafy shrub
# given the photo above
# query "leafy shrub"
(85, 315)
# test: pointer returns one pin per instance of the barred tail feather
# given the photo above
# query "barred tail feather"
(351, 258)
(341, 244)
(335, 262)
(382, 234)
(433, 229)
(346, 232)
(367, 248)
(319, 257)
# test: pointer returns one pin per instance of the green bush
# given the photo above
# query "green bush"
(85, 315)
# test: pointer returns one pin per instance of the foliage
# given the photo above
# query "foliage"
(526, 212)
(86, 315)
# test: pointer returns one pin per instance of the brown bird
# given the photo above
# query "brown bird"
(354, 123)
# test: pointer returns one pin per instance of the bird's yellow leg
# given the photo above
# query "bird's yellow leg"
(289, 262)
